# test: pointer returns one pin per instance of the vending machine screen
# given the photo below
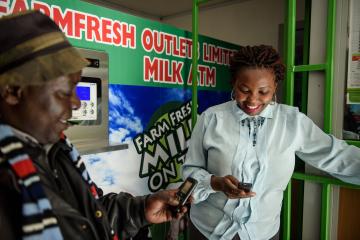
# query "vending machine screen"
(88, 91)
(83, 93)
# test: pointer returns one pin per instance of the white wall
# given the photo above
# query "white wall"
(249, 22)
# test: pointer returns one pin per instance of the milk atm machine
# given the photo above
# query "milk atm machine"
(89, 133)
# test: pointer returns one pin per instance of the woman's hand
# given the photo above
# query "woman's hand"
(229, 186)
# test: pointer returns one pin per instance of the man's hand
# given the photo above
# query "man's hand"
(158, 206)
(229, 186)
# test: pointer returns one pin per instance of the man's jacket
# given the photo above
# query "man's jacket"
(79, 214)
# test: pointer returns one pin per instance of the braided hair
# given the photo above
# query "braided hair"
(261, 56)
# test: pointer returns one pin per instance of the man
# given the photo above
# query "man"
(45, 191)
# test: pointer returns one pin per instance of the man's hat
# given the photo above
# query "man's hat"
(33, 50)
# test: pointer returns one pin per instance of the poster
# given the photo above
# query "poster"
(150, 81)
(157, 133)
(354, 46)
(351, 129)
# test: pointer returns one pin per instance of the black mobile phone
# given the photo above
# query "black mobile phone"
(245, 186)
(185, 191)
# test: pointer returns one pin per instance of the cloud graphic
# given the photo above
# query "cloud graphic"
(176, 95)
(123, 123)
(117, 171)
(133, 124)
(100, 171)
(119, 135)
(119, 99)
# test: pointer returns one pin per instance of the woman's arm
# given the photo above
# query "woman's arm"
(196, 161)
(328, 153)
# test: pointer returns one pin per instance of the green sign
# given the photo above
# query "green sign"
(141, 52)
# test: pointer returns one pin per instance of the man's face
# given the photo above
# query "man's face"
(46, 108)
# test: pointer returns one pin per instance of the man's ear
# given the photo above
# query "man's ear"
(11, 94)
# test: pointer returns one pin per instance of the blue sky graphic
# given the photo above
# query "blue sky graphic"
(99, 170)
(130, 110)
(131, 107)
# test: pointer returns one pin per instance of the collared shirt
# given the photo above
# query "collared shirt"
(221, 145)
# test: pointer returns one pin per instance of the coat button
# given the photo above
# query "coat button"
(83, 227)
(98, 214)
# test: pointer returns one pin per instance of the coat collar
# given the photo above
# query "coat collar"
(241, 115)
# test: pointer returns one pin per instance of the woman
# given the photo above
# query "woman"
(252, 139)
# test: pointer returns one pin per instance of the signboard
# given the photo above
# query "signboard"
(352, 111)
(149, 89)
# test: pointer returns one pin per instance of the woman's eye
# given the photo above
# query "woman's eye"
(244, 90)
(264, 93)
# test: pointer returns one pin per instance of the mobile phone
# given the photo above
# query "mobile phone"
(245, 186)
(185, 191)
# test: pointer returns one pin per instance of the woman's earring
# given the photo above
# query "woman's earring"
(274, 99)
(232, 94)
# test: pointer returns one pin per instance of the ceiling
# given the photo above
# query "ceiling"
(159, 9)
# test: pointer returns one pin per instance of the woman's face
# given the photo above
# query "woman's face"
(254, 89)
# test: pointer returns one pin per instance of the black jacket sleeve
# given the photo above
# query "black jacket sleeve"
(10, 205)
(125, 212)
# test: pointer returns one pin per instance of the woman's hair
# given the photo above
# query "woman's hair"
(261, 56)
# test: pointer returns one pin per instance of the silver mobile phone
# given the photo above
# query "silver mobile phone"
(184, 192)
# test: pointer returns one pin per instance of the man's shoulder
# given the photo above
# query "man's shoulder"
(60, 145)
(8, 178)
